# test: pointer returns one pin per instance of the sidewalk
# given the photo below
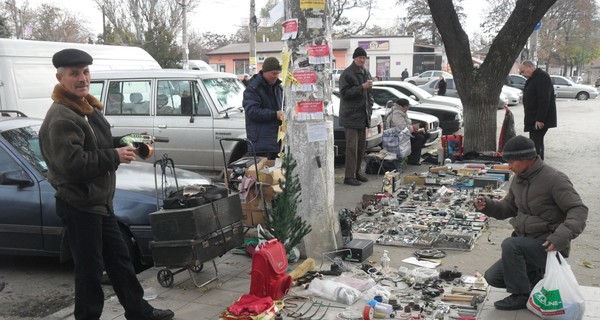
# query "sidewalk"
(190, 302)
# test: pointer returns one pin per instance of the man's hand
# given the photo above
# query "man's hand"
(539, 125)
(368, 84)
(126, 154)
(549, 246)
(279, 115)
(480, 203)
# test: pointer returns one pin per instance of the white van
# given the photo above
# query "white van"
(27, 76)
(199, 65)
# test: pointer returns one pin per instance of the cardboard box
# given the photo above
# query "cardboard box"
(418, 180)
(251, 170)
(253, 217)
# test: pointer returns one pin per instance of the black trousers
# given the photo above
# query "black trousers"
(523, 260)
(355, 151)
(417, 141)
(96, 244)
(538, 139)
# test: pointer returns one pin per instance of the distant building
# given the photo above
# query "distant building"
(387, 56)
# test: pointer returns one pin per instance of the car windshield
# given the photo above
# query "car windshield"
(420, 91)
(26, 142)
(226, 93)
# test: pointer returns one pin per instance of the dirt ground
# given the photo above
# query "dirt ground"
(31, 288)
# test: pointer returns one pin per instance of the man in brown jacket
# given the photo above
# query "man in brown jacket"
(546, 213)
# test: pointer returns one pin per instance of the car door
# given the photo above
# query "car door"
(183, 115)
(382, 96)
(562, 88)
(21, 214)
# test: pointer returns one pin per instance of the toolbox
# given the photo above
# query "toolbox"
(196, 222)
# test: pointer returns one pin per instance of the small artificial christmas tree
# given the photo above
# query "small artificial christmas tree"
(282, 222)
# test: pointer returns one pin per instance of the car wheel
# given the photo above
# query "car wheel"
(582, 96)
(134, 253)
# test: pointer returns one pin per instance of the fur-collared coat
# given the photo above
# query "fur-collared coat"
(79, 151)
(542, 203)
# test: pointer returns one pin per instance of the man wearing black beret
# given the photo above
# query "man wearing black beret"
(82, 157)
(546, 214)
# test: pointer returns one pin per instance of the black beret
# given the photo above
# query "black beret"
(359, 52)
(271, 64)
(71, 57)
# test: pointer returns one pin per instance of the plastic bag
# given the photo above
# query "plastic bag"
(557, 296)
(333, 291)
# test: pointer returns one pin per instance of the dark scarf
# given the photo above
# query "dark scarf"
(83, 107)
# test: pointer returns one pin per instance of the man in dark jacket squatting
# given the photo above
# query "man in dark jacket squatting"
(356, 107)
(263, 99)
(546, 213)
(82, 157)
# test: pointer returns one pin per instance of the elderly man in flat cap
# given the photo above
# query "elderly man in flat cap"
(82, 157)
(546, 214)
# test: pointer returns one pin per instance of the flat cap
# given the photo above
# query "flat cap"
(71, 57)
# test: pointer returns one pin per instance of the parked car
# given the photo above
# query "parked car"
(374, 132)
(515, 81)
(565, 88)
(427, 76)
(335, 74)
(431, 87)
(419, 94)
(420, 118)
(29, 222)
(513, 95)
(450, 118)
(195, 109)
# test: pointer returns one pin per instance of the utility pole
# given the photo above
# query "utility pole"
(184, 41)
(252, 26)
(309, 130)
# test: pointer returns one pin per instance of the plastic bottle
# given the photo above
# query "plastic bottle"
(382, 308)
(385, 262)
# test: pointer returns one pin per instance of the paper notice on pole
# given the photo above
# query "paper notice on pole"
(290, 29)
(318, 54)
(317, 131)
(306, 81)
(309, 110)
(314, 23)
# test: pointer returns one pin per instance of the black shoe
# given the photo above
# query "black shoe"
(352, 182)
(361, 178)
(414, 163)
(512, 302)
(159, 314)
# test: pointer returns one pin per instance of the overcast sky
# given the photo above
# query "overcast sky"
(225, 16)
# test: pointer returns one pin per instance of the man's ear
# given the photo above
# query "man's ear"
(58, 76)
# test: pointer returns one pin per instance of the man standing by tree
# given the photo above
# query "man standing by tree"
(356, 107)
(539, 103)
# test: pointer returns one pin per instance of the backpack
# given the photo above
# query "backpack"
(268, 277)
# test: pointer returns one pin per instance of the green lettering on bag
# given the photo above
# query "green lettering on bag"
(548, 299)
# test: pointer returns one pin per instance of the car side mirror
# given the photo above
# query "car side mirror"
(15, 178)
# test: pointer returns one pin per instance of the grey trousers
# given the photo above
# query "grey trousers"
(523, 262)
(355, 151)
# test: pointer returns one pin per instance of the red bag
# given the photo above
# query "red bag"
(268, 277)
(453, 146)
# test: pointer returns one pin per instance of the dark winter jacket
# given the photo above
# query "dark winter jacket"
(442, 88)
(79, 151)
(261, 103)
(356, 103)
(539, 101)
(542, 203)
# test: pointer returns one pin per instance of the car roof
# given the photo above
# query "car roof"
(159, 73)
(9, 121)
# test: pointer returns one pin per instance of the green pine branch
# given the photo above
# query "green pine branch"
(282, 221)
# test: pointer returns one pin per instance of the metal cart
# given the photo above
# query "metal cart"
(186, 237)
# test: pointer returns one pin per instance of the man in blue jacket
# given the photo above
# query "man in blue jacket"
(263, 99)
